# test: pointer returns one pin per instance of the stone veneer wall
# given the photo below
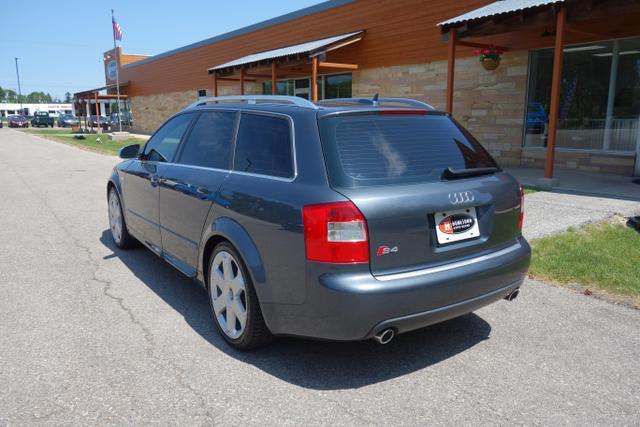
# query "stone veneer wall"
(150, 111)
(488, 103)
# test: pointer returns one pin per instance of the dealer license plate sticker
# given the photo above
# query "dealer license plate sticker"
(456, 225)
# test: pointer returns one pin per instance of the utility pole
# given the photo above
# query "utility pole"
(19, 90)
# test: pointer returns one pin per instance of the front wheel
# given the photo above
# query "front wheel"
(119, 232)
(235, 306)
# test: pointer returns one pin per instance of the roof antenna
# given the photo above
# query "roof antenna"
(375, 100)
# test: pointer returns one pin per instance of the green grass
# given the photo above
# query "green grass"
(90, 142)
(604, 255)
(47, 131)
(530, 190)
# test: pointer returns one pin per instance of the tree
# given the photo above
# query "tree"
(68, 98)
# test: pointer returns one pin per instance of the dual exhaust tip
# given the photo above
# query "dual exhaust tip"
(385, 336)
(513, 295)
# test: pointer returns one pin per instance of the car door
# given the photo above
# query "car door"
(189, 186)
(140, 187)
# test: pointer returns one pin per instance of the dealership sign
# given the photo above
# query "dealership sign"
(111, 70)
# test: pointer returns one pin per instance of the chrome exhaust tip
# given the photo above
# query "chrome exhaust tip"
(384, 336)
(513, 295)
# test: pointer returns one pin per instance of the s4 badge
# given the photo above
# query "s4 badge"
(386, 250)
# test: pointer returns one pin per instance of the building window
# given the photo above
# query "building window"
(329, 86)
(202, 93)
(599, 99)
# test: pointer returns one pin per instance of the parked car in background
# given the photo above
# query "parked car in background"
(104, 122)
(65, 120)
(125, 119)
(42, 118)
(16, 121)
(342, 220)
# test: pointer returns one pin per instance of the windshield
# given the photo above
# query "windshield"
(374, 149)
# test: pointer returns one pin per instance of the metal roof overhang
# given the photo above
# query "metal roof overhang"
(98, 89)
(311, 49)
(501, 7)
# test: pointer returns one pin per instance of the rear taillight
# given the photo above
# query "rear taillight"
(335, 232)
(521, 216)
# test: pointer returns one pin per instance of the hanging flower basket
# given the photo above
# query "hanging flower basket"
(490, 64)
(489, 57)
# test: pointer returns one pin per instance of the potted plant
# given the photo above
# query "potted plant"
(489, 57)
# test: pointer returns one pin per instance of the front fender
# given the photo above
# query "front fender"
(115, 180)
(227, 228)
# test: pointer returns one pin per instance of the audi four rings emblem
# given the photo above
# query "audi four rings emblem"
(461, 197)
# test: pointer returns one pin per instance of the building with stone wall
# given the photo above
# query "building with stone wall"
(401, 53)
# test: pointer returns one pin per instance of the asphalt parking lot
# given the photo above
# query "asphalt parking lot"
(93, 335)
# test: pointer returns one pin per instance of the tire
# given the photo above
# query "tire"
(117, 225)
(230, 286)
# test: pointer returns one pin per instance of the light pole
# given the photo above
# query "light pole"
(19, 91)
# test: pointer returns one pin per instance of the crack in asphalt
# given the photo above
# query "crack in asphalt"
(180, 373)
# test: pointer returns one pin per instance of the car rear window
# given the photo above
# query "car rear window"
(375, 149)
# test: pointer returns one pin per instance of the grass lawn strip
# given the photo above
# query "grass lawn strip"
(91, 142)
(48, 131)
(604, 255)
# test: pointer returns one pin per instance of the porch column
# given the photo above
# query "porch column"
(215, 84)
(89, 113)
(611, 98)
(314, 79)
(451, 65)
(242, 81)
(95, 97)
(555, 93)
(84, 107)
(274, 75)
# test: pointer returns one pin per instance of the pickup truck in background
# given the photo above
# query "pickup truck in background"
(42, 118)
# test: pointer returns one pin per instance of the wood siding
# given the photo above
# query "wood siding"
(397, 32)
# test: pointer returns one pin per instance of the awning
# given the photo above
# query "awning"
(98, 89)
(312, 48)
(500, 7)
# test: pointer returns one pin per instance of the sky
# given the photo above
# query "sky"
(59, 44)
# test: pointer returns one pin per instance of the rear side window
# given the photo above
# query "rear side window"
(209, 142)
(163, 144)
(375, 149)
(263, 146)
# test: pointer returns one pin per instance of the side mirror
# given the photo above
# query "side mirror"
(130, 151)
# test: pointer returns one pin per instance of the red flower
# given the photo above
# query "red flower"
(477, 52)
(485, 51)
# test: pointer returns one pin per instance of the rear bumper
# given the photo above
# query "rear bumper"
(346, 303)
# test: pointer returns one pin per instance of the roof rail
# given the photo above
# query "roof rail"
(378, 103)
(254, 99)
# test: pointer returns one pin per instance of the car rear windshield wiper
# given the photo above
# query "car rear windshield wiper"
(450, 173)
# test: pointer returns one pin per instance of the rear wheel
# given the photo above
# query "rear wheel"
(119, 233)
(234, 303)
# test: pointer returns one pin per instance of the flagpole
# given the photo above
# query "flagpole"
(115, 52)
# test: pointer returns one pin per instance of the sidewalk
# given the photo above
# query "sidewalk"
(548, 213)
(579, 182)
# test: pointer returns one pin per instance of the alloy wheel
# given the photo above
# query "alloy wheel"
(115, 216)
(228, 294)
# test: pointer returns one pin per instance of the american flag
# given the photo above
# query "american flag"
(117, 31)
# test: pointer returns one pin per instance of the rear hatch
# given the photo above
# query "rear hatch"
(430, 193)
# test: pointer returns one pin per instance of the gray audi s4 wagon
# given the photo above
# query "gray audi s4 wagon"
(346, 219)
